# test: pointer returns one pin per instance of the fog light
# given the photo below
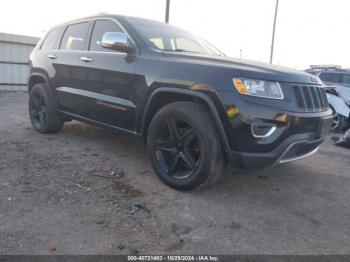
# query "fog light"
(232, 112)
(263, 130)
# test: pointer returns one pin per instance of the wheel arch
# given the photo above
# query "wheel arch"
(165, 95)
(37, 78)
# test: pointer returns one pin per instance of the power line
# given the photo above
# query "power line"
(167, 11)
(273, 32)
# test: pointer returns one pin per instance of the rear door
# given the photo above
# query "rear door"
(68, 70)
(107, 80)
(46, 58)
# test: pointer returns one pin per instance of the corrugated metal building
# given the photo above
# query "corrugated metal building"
(14, 56)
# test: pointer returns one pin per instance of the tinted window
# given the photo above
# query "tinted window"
(75, 36)
(101, 27)
(346, 79)
(331, 77)
(53, 39)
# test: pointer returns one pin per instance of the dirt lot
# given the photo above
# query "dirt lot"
(88, 191)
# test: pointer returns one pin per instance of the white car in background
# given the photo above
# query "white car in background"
(337, 82)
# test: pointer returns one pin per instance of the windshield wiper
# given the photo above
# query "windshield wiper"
(175, 50)
(187, 51)
(182, 50)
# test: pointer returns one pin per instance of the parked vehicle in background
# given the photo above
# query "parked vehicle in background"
(194, 108)
(344, 141)
(337, 103)
(337, 81)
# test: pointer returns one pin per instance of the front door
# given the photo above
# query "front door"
(108, 79)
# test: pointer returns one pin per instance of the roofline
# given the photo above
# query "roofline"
(82, 19)
(101, 15)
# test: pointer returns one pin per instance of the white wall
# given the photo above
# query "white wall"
(14, 57)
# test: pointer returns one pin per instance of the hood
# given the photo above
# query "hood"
(246, 68)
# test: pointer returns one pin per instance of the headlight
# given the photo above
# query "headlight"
(258, 88)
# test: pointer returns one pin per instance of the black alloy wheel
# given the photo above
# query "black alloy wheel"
(184, 146)
(177, 149)
(43, 116)
(37, 111)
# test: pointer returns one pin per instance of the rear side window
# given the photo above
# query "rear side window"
(53, 39)
(331, 77)
(101, 27)
(75, 36)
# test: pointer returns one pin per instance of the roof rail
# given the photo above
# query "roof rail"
(325, 66)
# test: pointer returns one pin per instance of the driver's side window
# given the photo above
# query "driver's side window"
(101, 27)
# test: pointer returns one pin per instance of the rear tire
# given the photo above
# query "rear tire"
(43, 116)
(184, 147)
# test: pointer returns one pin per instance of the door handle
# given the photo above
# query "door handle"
(52, 57)
(86, 59)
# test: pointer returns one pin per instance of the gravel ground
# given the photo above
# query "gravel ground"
(88, 191)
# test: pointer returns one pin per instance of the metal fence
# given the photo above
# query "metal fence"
(14, 57)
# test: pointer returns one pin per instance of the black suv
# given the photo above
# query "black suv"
(196, 109)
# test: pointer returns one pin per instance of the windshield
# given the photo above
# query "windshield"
(169, 38)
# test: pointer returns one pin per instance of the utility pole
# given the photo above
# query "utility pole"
(167, 11)
(273, 32)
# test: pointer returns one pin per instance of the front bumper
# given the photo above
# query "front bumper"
(292, 148)
(297, 134)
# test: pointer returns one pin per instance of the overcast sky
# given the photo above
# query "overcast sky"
(308, 31)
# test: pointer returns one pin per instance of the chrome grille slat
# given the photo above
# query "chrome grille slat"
(317, 99)
(310, 98)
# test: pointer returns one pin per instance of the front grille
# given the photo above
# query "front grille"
(311, 98)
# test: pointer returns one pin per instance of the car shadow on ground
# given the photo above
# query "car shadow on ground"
(50, 197)
(287, 179)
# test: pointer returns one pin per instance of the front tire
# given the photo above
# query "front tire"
(184, 146)
(43, 116)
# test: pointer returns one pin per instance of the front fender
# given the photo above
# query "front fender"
(196, 94)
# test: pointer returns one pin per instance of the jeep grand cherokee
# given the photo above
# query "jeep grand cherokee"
(196, 109)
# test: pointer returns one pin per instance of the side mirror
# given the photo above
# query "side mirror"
(117, 41)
